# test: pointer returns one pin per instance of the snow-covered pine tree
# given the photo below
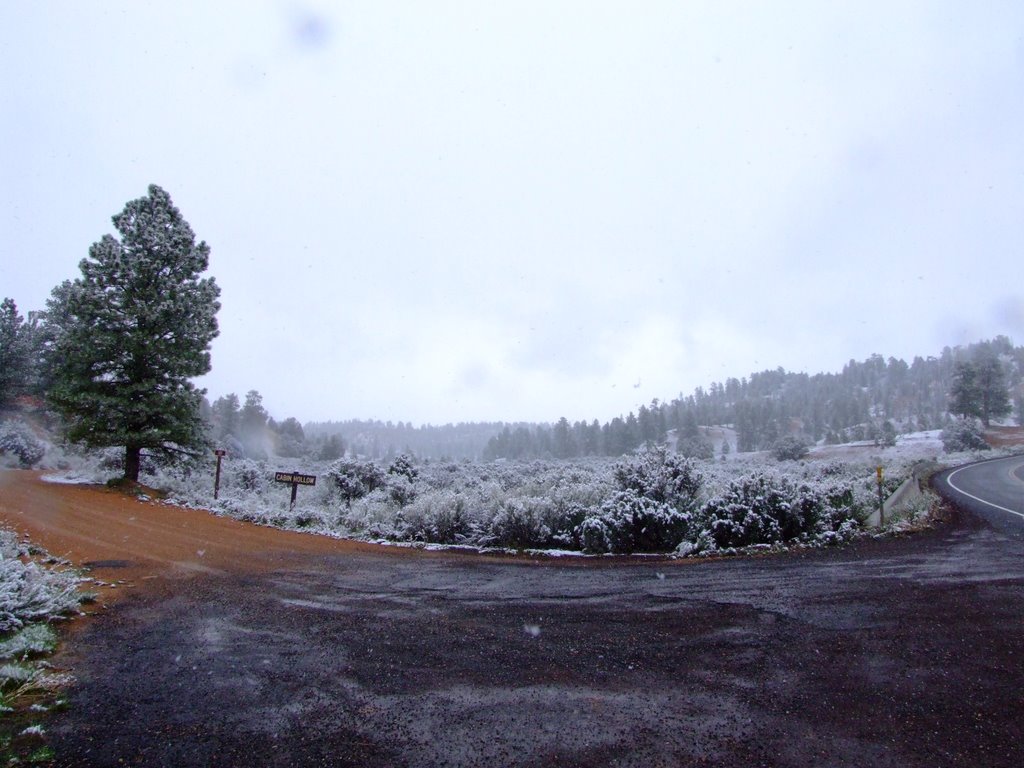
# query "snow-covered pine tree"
(964, 395)
(14, 362)
(225, 412)
(979, 389)
(994, 394)
(128, 335)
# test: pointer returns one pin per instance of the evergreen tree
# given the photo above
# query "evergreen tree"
(887, 434)
(290, 437)
(333, 448)
(253, 425)
(14, 359)
(979, 389)
(125, 338)
(225, 413)
(993, 394)
(963, 395)
(561, 440)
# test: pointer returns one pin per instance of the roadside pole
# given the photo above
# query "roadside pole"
(881, 498)
(216, 480)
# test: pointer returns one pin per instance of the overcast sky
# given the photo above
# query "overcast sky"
(442, 212)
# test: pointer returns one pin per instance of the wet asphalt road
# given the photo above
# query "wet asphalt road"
(888, 653)
(992, 490)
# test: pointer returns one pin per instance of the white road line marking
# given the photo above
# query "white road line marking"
(949, 482)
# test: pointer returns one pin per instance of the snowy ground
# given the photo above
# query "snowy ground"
(915, 446)
(530, 506)
(538, 505)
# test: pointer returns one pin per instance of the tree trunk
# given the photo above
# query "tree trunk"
(131, 462)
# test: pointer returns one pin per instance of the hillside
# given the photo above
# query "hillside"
(865, 401)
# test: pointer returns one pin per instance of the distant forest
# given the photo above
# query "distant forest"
(867, 400)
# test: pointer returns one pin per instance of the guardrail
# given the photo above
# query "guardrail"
(909, 490)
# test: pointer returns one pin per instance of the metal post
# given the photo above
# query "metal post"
(295, 490)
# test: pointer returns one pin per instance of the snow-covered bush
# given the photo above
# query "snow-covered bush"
(631, 522)
(373, 516)
(660, 476)
(248, 475)
(963, 435)
(12, 675)
(17, 440)
(696, 448)
(765, 507)
(29, 592)
(354, 479)
(654, 501)
(403, 466)
(440, 517)
(789, 448)
(31, 640)
(401, 489)
(521, 523)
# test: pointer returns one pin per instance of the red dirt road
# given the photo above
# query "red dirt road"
(149, 540)
(245, 646)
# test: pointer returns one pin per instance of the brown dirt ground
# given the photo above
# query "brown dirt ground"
(1004, 437)
(87, 524)
(239, 645)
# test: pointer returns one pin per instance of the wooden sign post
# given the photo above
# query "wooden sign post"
(219, 453)
(296, 479)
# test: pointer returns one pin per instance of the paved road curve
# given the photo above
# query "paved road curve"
(992, 489)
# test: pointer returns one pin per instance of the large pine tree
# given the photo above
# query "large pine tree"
(127, 336)
(14, 360)
(979, 389)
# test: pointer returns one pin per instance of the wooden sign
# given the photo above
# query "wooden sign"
(295, 478)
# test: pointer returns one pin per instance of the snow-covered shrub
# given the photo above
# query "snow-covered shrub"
(695, 448)
(911, 513)
(660, 476)
(18, 441)
(521, 523)
(401, 488)
(441, 517)
(652, 501)
(30, 640)
(354, 479)
(789, 448)
(29, 592)
(768, 508)
(373, 516)
(403, 466)
(447, 474)
(630, 522)
(963, 435)
(401, 480)
(248, 475)
(112, 460)
(594, 535)
(15, 674)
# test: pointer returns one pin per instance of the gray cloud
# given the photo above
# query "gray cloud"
(520, 211)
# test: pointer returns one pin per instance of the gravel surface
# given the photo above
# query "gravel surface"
(299, 651)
